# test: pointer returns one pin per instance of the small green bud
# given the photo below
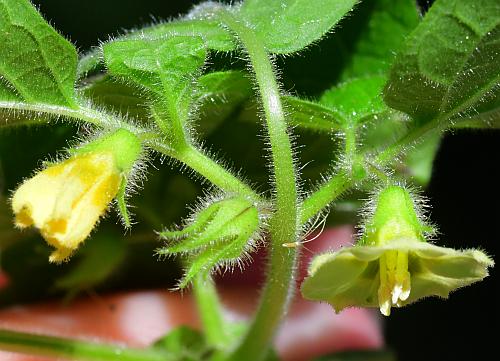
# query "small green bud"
(221, 234)
(394, 217)
(392, 264)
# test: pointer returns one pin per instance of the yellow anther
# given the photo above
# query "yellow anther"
(394, 280)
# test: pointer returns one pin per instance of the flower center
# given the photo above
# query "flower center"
(394, 280)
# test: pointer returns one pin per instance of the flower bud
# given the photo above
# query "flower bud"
(65, 200)
(392, 264)
(221, 234)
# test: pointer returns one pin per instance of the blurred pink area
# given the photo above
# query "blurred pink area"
(137, 319)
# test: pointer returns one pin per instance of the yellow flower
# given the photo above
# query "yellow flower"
(392, 275)
(392, 265)
(66, 200)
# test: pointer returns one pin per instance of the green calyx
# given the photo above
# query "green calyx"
(394, 217)
(392, 265)
(221, 234)
(123, 144)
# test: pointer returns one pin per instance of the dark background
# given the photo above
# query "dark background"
(464, 192)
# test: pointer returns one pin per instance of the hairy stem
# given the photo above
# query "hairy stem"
(324, 195)
(392, 151)
(207, 167)
(350, 142)
(81, 113)
(74, 350)
(210, 311)
(213, 171)
(283, 223)
(336, 185)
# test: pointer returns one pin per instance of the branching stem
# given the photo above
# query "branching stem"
(284, 222)
(207, 167)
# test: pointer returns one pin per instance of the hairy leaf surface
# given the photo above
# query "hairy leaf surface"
(166, 67)
(449, 64)
(287, 26)
(37, 65)
(388, 23)
(356, 99)
(312, 115)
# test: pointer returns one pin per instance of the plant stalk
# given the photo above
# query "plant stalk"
(75, 350)
(206, 167)
(210, 311)
(324, 195)
(280, 283)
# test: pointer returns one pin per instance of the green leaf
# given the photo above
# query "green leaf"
(311, 115)
(388, 23)
(214, 37)
(157, 65)
(118, 97)
(384, 130)
(223, 84)
(363, 45)
(419, 161)
(89, 63)
(449, 64)
(100, 258)
(485, 115)
(477, 87)
(167, 68)
(37, 65)
(356, 99)
(220, 94)
(287, 26)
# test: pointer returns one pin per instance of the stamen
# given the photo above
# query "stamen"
(394, 280)
(384, 292)
(403, 276)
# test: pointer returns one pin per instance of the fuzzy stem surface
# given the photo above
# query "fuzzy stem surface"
(280, 281)
(210, 311)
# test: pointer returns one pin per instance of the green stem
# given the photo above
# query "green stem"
(336, 185)
(392, 151)
(173, 125)
(81, 113)
(210, 311)
(213, 171)
(350, 143)
(379, 173)
(324, 195)
(208, 168)
(74, 350)
(186, 153)
(283, 224)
